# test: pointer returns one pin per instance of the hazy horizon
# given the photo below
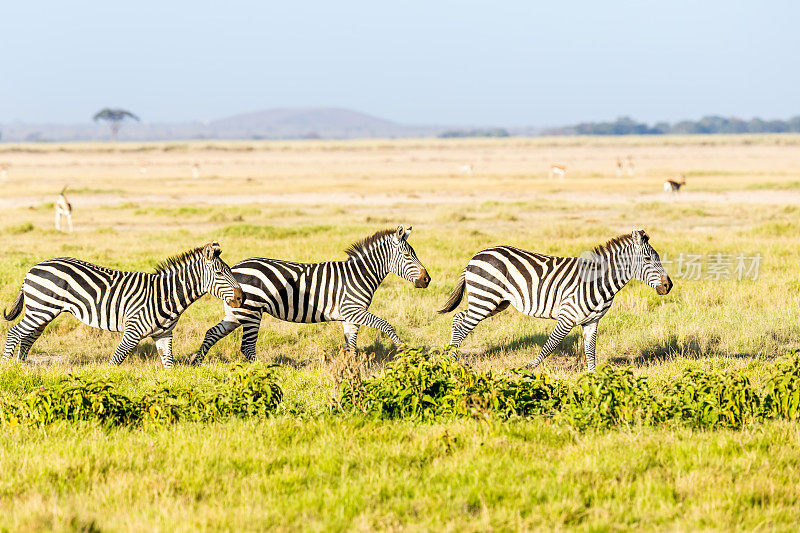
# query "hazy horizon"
(448, 63)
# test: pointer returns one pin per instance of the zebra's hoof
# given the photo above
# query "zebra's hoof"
(195, 359)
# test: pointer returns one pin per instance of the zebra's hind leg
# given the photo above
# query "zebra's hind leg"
(466, 320)
(563, 326)
(350, 335)
(130, 339)
(26, 332)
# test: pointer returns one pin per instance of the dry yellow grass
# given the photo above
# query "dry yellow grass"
(317, 196)
(307, 201)
(504, 168)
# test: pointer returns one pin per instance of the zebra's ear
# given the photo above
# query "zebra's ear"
(399, 233)
(212, 250)
(639, 236)
(407, 233)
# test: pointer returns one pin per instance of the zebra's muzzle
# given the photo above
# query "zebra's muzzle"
(423, 280)
(665, 287)
(238, 298)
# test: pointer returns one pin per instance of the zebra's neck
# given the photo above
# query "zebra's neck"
(372, 264)
(180, 285)
(617, 264)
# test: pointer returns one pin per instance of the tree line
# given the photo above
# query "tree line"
(711, 124)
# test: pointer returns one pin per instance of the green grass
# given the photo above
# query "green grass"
(325, 474)
(308, 467)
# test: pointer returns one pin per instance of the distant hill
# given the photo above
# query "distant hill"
(310, 122)
(293, 123)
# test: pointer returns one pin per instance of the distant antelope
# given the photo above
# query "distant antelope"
(143, 168)
(619, 167)
(674, 187)
(196, 170)
(631, 167)
(465, 169)
(63, 208)
(557, 170)
(3, 171)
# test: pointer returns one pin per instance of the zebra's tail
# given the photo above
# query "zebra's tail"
(18, 304)
(456, 295)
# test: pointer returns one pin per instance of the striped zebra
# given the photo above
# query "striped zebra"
(139, 304)
(572, 290)
(319, 292)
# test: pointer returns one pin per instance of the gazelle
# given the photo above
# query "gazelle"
(619, 167)
(557, 170)
(196, 170)
(466, 169)
(63, 209)
(630, 166)
(143, 169)
(3, 171)
(674, 187)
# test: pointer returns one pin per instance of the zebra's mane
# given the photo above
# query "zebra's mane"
(358, 247)
(177, 260)
(613, 243)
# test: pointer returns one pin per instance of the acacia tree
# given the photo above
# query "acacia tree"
(114, 117)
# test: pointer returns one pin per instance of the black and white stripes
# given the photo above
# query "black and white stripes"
(572, 290)
(319, 292)
(137, 303)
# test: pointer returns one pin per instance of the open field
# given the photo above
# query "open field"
(310, 468)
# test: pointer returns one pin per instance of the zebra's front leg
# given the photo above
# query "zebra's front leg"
(130, 339)
(249, 338)
(589, 340)
(350, 335)
(213, 336)
(164, 347)
(362, 317)
(563, 326)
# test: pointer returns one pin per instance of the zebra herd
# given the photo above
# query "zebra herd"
(572, 290)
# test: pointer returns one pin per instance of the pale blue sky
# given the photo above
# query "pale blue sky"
(447, 62)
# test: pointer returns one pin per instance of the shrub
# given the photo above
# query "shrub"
(247, 392)
(424, 385)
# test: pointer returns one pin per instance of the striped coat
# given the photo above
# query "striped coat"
(139, 304)
(574, 291)
(319, 292)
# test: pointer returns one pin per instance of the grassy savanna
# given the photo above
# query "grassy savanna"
(308, 467)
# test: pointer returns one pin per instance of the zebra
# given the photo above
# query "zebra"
(319, 292)
(572, 290)
(139, 304)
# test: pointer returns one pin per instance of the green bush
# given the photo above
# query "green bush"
(424, 385)
(711, 400)
(782, 398)
(420, 384)
(247, 392)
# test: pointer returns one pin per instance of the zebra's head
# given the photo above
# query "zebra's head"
(218, 279)
(403, 260)
(646, 264)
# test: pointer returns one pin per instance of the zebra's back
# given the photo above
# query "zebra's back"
(295, 292)
(96, 295)
(533, 283)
